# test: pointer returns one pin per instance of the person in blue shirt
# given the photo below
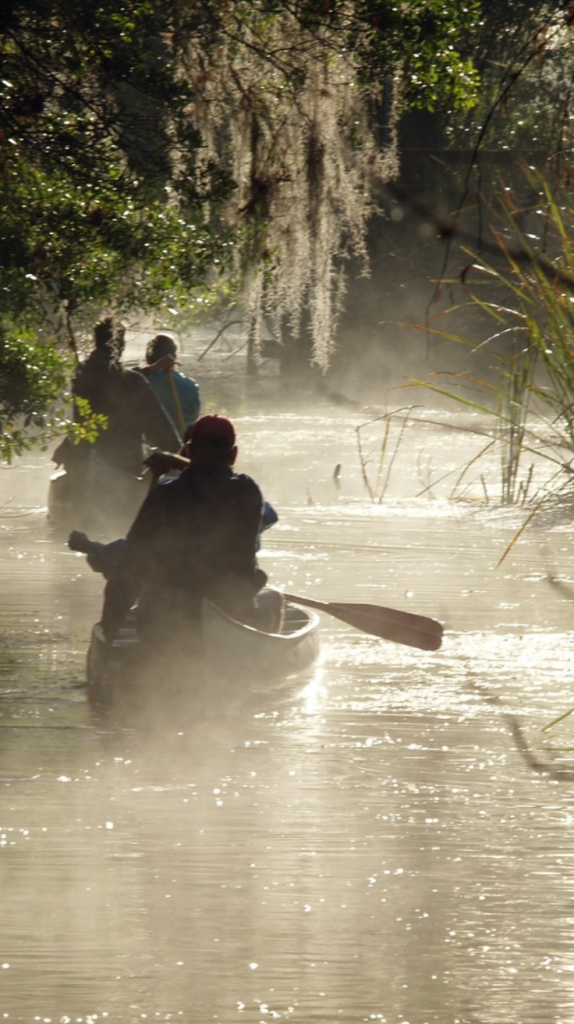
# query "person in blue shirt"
(178, 394)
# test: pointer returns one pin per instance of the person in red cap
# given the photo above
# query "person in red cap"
(194, 537)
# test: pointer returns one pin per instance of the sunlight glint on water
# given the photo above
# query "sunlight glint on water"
(368, 845)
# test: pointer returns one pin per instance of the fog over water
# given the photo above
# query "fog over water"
(369, 843)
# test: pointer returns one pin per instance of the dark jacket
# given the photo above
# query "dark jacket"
(193, 537)
(134, 413)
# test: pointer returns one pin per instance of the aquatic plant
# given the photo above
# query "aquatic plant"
(526, 290)
(385, 450)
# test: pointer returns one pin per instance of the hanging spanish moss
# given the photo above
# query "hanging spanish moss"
(286, 114)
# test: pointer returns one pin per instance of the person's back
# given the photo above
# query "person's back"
(126, 399)
(183, 407)
(194, 538)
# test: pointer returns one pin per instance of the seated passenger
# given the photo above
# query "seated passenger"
(195, 537)
(104, 557)
(183, 407)
(134, 414)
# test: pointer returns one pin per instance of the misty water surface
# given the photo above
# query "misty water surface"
(370, 844)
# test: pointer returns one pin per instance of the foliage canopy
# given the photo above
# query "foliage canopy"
(146, 147)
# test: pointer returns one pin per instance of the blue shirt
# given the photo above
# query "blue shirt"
(187, 392)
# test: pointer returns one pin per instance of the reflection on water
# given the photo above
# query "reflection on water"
(367, 845)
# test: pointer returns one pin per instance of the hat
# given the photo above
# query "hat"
(216, 431)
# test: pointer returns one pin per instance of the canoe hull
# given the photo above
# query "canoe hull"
(230, 654)
(232, 648)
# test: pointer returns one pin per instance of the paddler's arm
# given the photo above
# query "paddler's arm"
(100, 557)
(166, 362)
(162, 462)
(268, 517)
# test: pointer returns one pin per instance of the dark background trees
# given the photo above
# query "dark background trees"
(462, 172)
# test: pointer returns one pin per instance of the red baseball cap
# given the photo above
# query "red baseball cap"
(214, 430)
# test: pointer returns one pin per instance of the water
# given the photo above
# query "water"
(388, 840)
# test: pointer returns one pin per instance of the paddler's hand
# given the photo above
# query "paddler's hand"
(164, 462)
(78, 541)
(166, 362)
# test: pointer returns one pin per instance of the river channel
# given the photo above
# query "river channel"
(385, 840)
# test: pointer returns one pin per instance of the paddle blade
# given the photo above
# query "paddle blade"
(386, 623)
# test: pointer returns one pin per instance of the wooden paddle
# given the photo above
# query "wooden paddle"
(386, 623)
(97, 671)
(177, 404)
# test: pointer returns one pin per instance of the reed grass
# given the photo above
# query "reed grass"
(527, 294)
(387, 451)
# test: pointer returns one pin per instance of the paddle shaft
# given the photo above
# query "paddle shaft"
(386, 623)
(98, 676)
(177, 404)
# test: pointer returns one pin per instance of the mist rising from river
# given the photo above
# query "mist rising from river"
(365, 843)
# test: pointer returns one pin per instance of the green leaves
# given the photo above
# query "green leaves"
(99, 177)
(32, 378)
(148, 148)
(420, 45)
(125, 132)
(32, 375)
(34, 399)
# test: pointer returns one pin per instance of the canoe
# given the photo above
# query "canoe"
(95, 497)
(233, 648)
(231, 652)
